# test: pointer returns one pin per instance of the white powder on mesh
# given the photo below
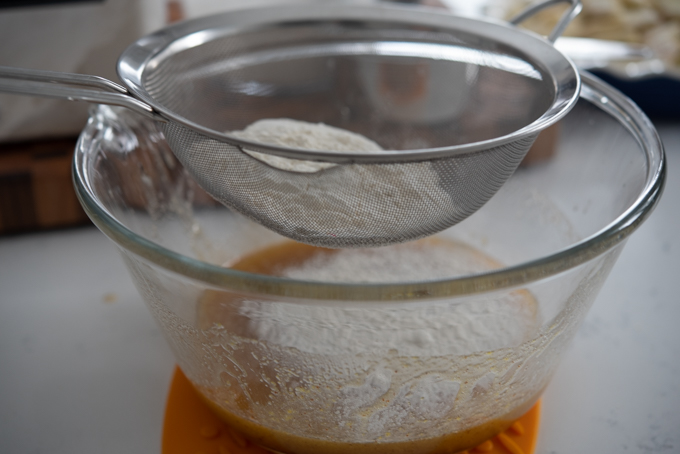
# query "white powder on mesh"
(478, 324)
(306, 136)
(357, 202)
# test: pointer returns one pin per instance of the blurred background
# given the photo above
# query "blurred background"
(68, 308)
(37, 135)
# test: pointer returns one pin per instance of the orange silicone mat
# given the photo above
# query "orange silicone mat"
(191, 428)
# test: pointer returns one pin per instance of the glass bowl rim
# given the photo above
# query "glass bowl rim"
(593, 90)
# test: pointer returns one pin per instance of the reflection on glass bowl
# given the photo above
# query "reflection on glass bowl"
(431, 346)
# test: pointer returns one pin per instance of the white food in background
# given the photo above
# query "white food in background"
(665, 40)
(669, 7)
(655, 23)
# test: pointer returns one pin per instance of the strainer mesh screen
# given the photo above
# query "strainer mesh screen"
(348, 205)
(405, 86)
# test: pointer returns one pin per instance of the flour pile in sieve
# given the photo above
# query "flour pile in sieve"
(305, 136)
(368, 201)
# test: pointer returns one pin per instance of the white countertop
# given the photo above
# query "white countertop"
(84, 369)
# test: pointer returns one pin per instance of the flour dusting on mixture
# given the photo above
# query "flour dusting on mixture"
(374, 371)
(443, 329)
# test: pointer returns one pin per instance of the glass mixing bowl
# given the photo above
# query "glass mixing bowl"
(430, 362)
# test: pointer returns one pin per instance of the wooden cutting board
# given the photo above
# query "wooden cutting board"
(36, 190)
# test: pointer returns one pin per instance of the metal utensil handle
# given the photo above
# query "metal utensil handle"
(59, 85)
(564, 21)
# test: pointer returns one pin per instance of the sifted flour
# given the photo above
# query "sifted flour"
(370, 373)
(481, 324)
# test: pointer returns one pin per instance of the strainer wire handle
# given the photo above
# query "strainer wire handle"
(562, 24)
(62, 85)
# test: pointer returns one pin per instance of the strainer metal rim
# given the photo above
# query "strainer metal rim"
(595, 91)
(148, 51)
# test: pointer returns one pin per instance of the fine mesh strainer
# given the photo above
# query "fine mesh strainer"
(456, 101)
